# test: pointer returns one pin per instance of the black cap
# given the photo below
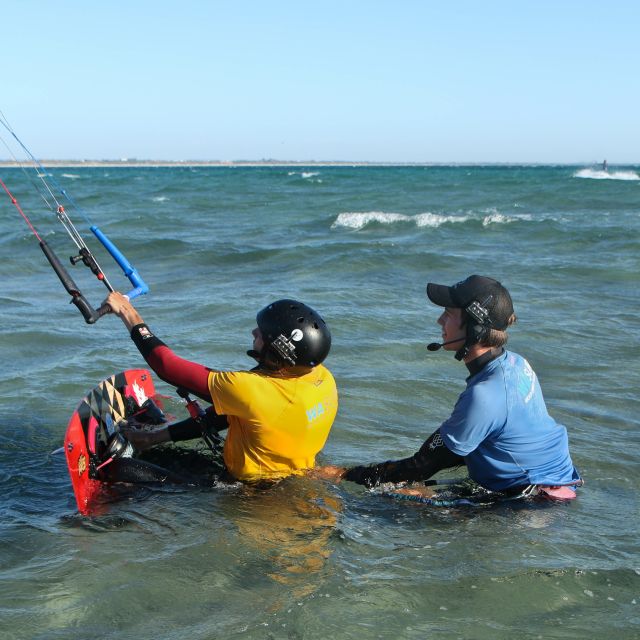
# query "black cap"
(487, 292)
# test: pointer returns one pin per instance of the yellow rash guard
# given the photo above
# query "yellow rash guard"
(278, 421)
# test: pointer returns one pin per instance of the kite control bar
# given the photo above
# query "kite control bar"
(89, 313)
(84, 254)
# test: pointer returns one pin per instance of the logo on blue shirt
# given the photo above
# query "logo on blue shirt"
(526, 382)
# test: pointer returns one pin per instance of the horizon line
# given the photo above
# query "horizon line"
(135, 162)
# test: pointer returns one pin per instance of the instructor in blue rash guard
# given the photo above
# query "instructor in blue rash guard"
(500, 428)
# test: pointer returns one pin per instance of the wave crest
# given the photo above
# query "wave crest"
(360, 219)
(307, 175)
(599, 174)
(436, 220)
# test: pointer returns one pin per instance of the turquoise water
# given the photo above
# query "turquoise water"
(309, 559)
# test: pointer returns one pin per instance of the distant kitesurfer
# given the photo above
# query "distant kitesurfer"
(278, 414)
(500, 428)
(605, 166)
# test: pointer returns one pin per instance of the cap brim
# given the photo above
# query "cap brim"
(440, 294)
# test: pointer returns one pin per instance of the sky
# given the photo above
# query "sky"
(524, 81)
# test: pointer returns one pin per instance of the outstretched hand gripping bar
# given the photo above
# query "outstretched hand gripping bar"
(140, 286)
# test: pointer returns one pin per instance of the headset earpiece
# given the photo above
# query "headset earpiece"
(478, 326)
(479, 332)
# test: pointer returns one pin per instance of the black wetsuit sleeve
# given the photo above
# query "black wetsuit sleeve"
(145, 340)
(432, 457)
(190, 428)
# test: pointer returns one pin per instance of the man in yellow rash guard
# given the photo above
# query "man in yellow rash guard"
(278, 420)
(279, 414)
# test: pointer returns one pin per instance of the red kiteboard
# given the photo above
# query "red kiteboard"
(94, 423)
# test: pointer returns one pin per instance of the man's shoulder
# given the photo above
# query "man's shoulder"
(512, 357)
(506, 361)
(321, 370)
(515, 362)
(488, 385)
(234, 377)
(254, 375)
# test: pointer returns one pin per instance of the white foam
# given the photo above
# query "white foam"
(307, 175)
(71, 176)
(358, 220)
(304, 174)
(599, 174)
(493, 216)
(160, 199)
(435, 220)
(496, 218)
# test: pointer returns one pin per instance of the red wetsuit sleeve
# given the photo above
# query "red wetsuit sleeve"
(171, 368)
(180, 372)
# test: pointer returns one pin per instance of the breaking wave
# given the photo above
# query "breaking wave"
(360, 219)
(306, 175)
(599, 174)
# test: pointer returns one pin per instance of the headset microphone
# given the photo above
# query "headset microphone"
(434, 346)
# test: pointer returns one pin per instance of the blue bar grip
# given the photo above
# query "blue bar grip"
(140, 287)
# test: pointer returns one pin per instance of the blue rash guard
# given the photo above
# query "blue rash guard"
(500, 425)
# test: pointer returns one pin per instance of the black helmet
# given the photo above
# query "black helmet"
(293, 333)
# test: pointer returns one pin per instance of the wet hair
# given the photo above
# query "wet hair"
(497, 338)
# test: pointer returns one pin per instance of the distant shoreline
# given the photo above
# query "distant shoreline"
(208, 163)
(283, 163)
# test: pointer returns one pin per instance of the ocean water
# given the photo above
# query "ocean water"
(311, 559)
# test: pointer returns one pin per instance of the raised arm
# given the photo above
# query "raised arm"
(171, 368)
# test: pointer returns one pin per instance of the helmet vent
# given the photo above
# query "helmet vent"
(315, 325)
(301, 319)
